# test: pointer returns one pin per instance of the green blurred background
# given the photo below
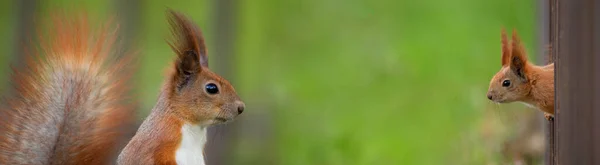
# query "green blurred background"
(332, 81)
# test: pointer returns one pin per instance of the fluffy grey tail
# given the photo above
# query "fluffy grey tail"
(70, 104)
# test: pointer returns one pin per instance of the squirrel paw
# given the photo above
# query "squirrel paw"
(548, 116)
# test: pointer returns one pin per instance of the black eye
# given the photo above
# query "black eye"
(506, 83)
(211, 88)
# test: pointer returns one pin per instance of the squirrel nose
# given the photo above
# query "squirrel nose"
(489, 96)
(241, 107)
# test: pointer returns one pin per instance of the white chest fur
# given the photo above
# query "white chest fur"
(190, 151)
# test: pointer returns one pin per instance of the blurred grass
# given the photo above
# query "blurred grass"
(375, 82)
(355, 81)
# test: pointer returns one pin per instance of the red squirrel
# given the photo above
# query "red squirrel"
(69, 104)
(191, 99)
(520, 80)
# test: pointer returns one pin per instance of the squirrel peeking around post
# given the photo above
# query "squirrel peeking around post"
(521, 81)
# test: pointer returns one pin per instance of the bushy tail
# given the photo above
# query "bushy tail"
(70, 104)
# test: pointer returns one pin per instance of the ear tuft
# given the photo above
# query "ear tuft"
(518, 59)
(188, 44)
(187, 38)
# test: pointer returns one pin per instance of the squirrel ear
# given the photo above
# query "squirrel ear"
(518, 59)
(188, 44)
(188, 63)
(188, 39)
(505, 49)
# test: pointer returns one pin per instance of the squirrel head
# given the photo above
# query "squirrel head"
(511, 83)
(197, 94)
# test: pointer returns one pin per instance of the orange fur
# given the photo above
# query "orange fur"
(529, 83)
(70, 103)
(165, 153)
(183, 100)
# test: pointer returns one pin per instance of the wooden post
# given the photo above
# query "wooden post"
(218, 149)
(128, 17)
(578, 82)
(129, 13)
(551, 33)
(26, 13)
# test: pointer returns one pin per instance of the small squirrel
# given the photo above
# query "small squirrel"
(192, 98)
(520, 80)
(69, 104)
